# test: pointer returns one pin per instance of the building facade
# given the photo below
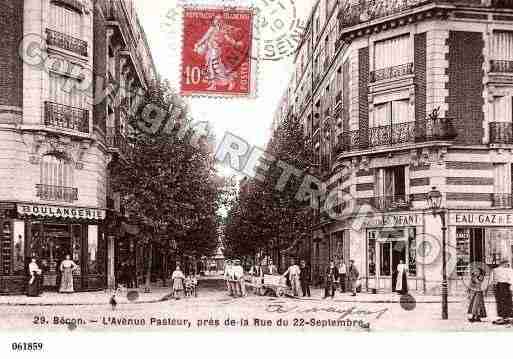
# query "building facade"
(397, 97)
(59, 130)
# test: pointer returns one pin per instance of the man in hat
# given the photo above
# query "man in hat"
(293, 272)
(353, 277)
(502, 277)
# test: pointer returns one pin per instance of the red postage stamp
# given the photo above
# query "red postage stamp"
(216, 52)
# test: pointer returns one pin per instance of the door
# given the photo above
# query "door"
(398, 255)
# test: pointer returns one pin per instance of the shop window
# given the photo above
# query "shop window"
(412, 252)
(92, 249)
(371, 252)
(5, 247)
(470, 248)
(392, 52)
(497, 245)
(19, 265)
(385, 249)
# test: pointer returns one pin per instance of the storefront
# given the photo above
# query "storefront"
(481, 237)
(49, 233)
(391, 239)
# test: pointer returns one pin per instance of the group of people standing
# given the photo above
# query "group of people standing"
(502, 279)
(67, 267)
(234, 278)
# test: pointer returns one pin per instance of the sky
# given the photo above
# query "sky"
(249, 119)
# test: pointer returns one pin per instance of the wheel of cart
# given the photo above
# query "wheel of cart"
(275, 283)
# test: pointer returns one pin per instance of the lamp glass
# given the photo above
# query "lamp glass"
(434, 199)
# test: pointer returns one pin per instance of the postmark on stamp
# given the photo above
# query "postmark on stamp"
(279, 29)
(216, 52)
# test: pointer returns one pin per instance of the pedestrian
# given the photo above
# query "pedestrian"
(476, 307)
(401, 284)
(342, 275)
(177, 278)
(305, 278)
(34, 283)
(257, 278)
(502, 279)
(293, 273)
(238, 277)
(330, 280)
(67, 267)
(271, 268)
(228, 274)
(353, 277)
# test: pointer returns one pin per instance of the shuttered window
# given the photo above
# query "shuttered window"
(65, 20)
(65, 91)
(56, 171)
(502, 45)
(392, 52)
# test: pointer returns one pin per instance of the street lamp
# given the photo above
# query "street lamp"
(434, 201)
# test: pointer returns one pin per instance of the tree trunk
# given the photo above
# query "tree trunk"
(147, 285)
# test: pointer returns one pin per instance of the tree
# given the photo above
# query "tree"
(169, 183)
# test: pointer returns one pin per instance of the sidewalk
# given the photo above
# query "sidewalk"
(102, 297)
(383, 298)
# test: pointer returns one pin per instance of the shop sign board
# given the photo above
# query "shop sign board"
(394, 220)
(61, 211)
(480, 219)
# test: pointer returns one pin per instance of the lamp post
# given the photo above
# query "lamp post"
(434, 201)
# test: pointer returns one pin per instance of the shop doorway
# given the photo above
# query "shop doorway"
(391, 253)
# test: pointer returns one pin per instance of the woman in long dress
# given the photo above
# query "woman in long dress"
(67, 267)
(476, 307)
(401, 285)
(177, 278)
(34, 284)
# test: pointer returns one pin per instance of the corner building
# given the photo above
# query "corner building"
(57, 139)
(397, 97)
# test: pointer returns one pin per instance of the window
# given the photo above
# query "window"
(65, 91)
(390, 182)
(392, 52)
(389, 113)
(371, 251)
(56, 171)
(502, 45)
(502, 109)
(92, 249)
(65, 20)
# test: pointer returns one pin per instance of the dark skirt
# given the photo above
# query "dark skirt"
(503, 299)
(476, 306)
(34, 288)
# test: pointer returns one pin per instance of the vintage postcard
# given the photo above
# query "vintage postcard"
(147, 187)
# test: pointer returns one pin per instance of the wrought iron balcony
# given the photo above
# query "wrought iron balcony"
(117, 141)
(66, 42)
(501, 66)
(438, 129)
(503, 200)
(397, 202)
(56, 193)
(63, 116)
(501, 132)
(392, 72)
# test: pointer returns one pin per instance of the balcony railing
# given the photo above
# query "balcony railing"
(501, 132)
(504, 200)
(392, 72)
(56, 193)
(63, 116)
(501, 66)
(439, 129)
(66, 42)
(117, 141)
(397, 202)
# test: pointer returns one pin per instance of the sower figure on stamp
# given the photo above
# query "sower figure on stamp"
(304, 277)
(211, 45)
(331, 279)
(293, 273)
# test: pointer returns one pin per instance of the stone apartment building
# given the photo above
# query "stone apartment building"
(60, 128)
(397, 97)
